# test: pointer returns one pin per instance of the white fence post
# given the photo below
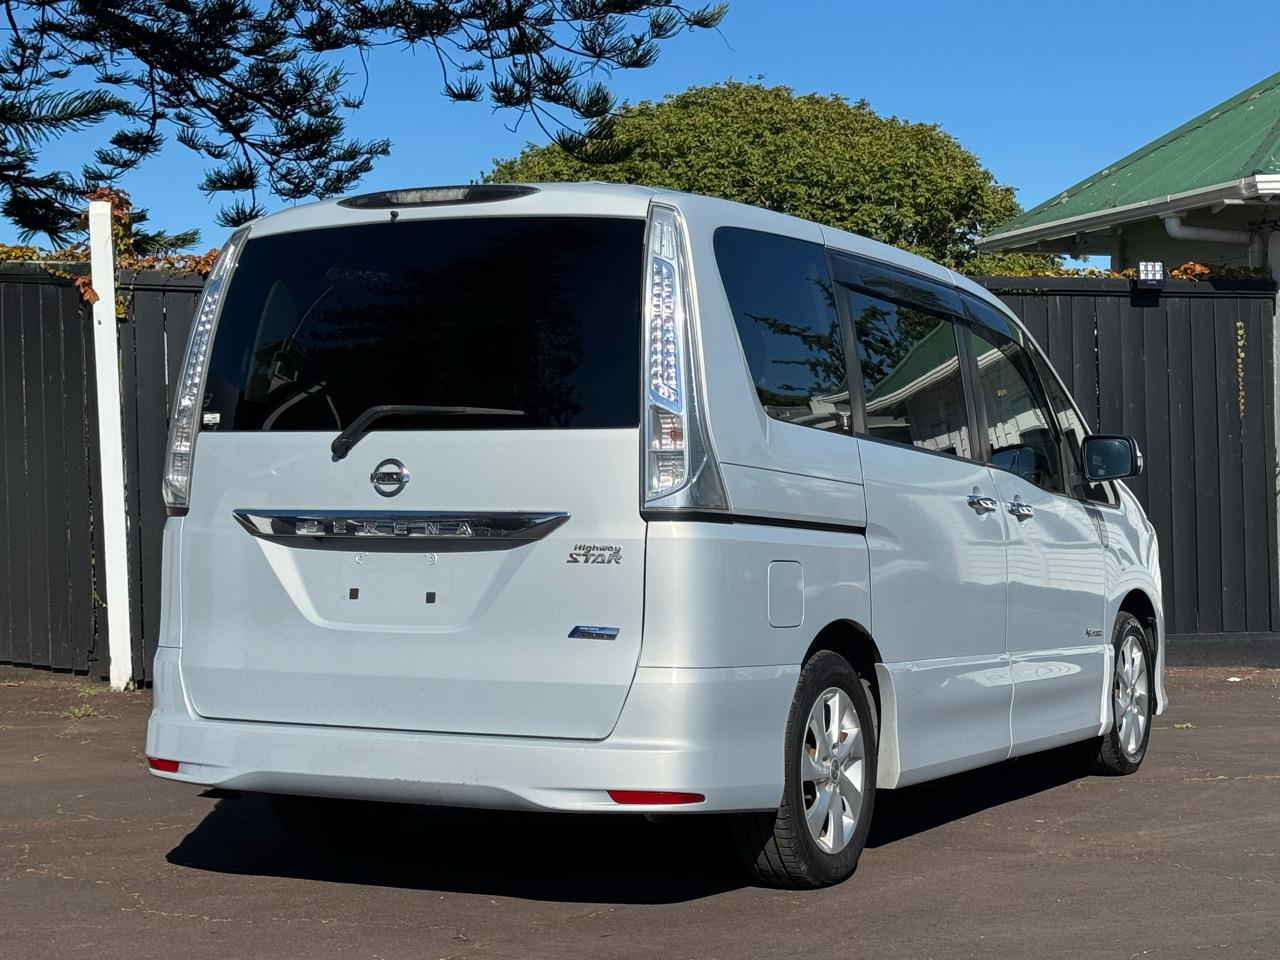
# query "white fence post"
(114, 556)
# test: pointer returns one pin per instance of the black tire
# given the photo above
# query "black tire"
(1111, 755)
(778, 848)
(344, 826)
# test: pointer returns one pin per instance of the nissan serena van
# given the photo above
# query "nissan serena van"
(597, 498)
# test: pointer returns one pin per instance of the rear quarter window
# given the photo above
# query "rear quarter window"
(783, 303)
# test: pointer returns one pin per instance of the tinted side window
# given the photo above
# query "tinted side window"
(1073, 434)
(910, 375)
(1022, 438)
(783, 305)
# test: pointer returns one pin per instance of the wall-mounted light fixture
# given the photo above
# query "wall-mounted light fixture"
(1151, 275)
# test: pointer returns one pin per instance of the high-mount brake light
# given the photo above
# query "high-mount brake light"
(184, 418)
(437, 196)
(679, 472)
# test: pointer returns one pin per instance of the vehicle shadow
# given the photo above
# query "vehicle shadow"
(908, 811)
(556, 857)
(588, 859)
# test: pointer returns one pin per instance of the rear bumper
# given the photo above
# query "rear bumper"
(717, 732)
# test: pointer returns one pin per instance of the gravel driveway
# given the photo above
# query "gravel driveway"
(1024, 859)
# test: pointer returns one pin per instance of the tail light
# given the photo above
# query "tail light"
(184, 416)
(679, 471)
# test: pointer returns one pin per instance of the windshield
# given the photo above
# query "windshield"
(534, 314)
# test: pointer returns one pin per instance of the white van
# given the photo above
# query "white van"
(602, 498)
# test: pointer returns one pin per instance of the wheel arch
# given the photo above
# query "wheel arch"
(854, 642)
(1139, 603)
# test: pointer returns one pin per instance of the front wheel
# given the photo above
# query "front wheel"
(1121, 750)
(817, 834)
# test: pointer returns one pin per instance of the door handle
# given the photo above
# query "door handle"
(1023, 511)
(982, 505)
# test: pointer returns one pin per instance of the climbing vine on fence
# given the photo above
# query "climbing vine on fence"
(128, 242)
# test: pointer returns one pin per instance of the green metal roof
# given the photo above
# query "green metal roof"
(1236, 139)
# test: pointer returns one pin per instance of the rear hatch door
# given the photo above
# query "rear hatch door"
(474, 570)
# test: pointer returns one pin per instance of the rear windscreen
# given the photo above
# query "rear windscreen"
(538, 315)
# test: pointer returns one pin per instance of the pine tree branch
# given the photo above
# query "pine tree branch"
(257, 86)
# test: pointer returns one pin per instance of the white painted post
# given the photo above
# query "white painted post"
(106, 373)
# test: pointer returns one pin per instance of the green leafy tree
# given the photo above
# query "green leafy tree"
(260, 89)
(818, 157)
(1021, 265)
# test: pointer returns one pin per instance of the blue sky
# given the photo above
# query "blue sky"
(1044, 94)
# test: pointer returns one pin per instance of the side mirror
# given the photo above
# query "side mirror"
(1111, 457)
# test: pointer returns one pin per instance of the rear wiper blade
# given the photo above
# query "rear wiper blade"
(358, 427)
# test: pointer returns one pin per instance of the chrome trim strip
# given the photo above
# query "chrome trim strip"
(711, 516)
(396, 524)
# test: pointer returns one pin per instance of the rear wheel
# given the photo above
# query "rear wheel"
(1121, 750)
(817, 834)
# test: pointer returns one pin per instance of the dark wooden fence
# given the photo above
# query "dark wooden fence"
(48, 475)
(50, 582)
(1190, 373)
(152, 342)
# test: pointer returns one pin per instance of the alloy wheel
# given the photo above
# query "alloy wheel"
(1132, 695)
(832, 770)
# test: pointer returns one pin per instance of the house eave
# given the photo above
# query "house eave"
(1065, 232)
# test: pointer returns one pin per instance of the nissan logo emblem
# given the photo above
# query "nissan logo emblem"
(389, 477)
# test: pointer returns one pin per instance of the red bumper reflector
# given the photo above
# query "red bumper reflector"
(164, 766)
(652, 797)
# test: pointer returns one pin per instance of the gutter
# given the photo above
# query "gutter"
(1254, 241)
(1261, 187)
